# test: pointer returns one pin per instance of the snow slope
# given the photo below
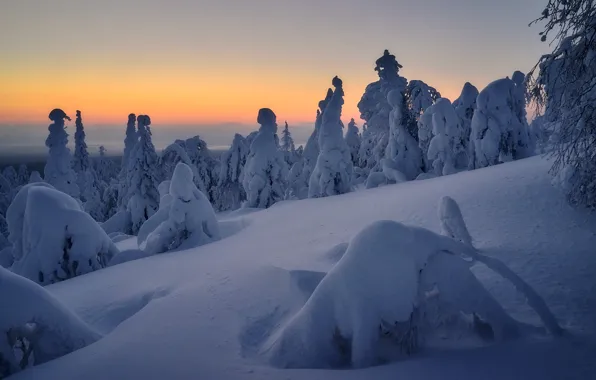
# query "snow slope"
(204, 313)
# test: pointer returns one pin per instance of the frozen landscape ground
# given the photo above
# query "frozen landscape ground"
(208, 312)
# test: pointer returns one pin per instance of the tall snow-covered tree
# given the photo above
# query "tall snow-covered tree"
(80, 162)
(446, 145)
(525, 144)
(402, 148)
(230, 193)
(58, 170)
(565, 87)
(465, 106)
(375, 110)
(419, 96)
(130, 140)
(333, 172)
(353, 141)
(206, 165)
(287, 146)
(265, 171)
(425, 135)
(142, 198)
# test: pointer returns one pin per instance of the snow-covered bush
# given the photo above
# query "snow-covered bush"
(190, 220)
(495, 125)
(353, 141)
(446, 148)
(58, 170)
(465, 106)
(265, 170)
(58, 240)
(333, 172)
(230, 193)
(143, 176)
(402, 148)
(34, 326)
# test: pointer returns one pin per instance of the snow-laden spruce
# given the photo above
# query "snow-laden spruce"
(190, 221)
(374, 109)
(402, 148)
(353, 141)
(230, 193)
(104, 167)
(59, 240)
(465, 106)
(425, 135)
(446, 149)
(58, 169)
(143, 177)
(170, 157)
(80, 160)
(333, 172)
(419, 96)
(496, 127)
(34, 326)
(130, 141)
(207, 167)
(525, 144)
(287, 146)
(265, 170)
(23, 175)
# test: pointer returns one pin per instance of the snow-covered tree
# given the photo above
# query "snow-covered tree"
(496, 126)
(93, 196)
(130, 140)
(171, 156)
(23, 175)
(143, 175)
(230, 193)
(287, 146)
(80, 162)
(446, 152)
(207, 167)
(425, 135)
(58, 170)
(190, 220)
(109, 198)
(375, 110)
(104, 167)
(525, 144)
(353, 141)
(35, 177)
(35, 327)
(402, 148)
(265, 170)
(58, 240)
(10, 174)
(465, 106)
(333, 173)
(419, 96)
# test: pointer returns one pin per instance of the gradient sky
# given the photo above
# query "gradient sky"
(208, 62)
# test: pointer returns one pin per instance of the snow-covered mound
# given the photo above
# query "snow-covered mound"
(219, 303)
(59, 241)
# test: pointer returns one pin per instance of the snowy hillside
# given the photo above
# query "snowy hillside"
(208, 312)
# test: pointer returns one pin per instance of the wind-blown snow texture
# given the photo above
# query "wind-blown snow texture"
(207, 312)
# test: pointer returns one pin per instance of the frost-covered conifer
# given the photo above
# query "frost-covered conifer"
(402, 148)
(207, 167)
(10, 174)
(495, 125)
(446, 145)
(265, 170)
(525, 144)
(142, 198)
(58, 170)
(80, 161)
(465, 106)
(130, 140)
(104, 167)
(23, 175)
(230, 193)
(419, 96)
(353, 141)
(333, 173)
(287, 146)
(425, 135)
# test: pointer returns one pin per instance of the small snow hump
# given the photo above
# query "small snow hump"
(452, 221)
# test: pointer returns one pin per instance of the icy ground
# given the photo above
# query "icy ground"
(204, 313)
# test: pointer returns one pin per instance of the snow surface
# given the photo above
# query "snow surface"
(205, 313)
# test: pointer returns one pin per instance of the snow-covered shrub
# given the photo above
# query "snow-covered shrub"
(465, 106)
(34, 326)
(265, 170)
(333, 172)
(377, 292)
(496, 128)
(230, 193)
(374, 109)
(402, 148)
(59, 240)
(190, 221)
(58, 170)
(143, 176)
(294, 182)
(353, 141)
(446, 148)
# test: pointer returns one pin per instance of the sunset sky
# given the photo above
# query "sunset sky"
(212, 62)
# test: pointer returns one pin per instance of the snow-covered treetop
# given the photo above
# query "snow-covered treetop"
(468, 96)
(518, 77)
(57, 115)
(420, 96)
(329, 133)
(268, 120)
(387, 66)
